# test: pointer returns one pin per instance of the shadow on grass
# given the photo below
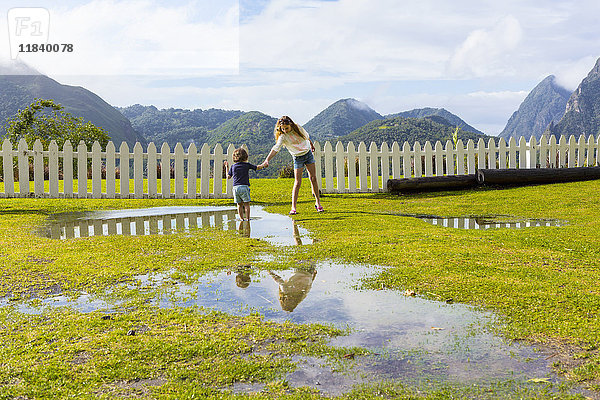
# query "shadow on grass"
(23, 212)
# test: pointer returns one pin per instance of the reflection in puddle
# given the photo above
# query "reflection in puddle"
(485, 222)
(410, 338)
(414, 338)
(275, 228)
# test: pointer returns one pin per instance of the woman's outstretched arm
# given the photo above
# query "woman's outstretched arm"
(271, 154)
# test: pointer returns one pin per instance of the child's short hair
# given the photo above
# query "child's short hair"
(240, 155)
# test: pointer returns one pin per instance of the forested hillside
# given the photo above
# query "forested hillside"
(400, 129)
(175, 125)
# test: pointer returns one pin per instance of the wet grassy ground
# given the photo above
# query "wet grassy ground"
(541, 281)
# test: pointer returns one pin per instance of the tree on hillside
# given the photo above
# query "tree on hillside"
(47, 121)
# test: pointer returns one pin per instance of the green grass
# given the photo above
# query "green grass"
(542, 282)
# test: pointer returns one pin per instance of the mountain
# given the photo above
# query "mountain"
(543, 106)
(401, 129)
(174, 124)
(439, 112)
(340, 118)
(19, 91)
(582, 115)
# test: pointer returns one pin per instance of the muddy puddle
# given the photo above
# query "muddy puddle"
(409, 338)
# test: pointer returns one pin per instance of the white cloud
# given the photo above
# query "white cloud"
(485, 51)
(571, 73)
(112, 37)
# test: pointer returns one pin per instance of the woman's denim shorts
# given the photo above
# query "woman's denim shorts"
(301, 161)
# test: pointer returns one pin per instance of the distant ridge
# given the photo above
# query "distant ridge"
(19, 86)
(402, 129)
(173, 125)
(340, 118)
(440, 112)
(582, 115)
(544, 105)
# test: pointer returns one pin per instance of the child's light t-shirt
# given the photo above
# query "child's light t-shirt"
(296, 145)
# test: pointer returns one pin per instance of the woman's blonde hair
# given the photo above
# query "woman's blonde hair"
(285, 120)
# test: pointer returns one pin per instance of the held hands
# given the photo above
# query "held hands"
(265, 164)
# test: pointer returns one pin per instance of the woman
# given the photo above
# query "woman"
(296, 140)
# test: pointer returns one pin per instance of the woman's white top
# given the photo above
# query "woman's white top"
(296, 145)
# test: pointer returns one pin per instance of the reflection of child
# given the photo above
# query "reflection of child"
(241, 181)
(242, 278)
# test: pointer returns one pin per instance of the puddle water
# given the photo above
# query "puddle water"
(413, 337)
(410, 338)
(485, 222)
(275, 228)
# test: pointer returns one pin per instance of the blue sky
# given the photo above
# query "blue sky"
(477, 59)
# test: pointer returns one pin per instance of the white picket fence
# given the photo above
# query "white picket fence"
(346, 169)
(137, 165)
(374, 167)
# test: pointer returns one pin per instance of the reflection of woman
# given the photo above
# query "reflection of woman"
(296, 140)
(295, 289)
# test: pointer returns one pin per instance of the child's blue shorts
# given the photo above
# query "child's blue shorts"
(241, 194)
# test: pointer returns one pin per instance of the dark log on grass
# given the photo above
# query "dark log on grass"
(449, 182)
(536, 176)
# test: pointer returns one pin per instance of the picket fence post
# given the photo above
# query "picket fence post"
(7, 166)
(217, 171)
(374, 167)
(205, 171)
(192, 170)
(471, 156)
(38, 168)
(351, 167)
(328, 152)
(449, 158)
(53, 169)
(165, 171)
(406, 161)
(96, 171)
(362, 167)
(385, 166)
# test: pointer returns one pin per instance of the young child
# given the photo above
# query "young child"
(241, 181)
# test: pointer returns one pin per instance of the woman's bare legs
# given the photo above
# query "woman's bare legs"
(296, 188)
(312, 175)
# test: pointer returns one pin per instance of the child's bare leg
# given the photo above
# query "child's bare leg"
(247, 210)
(240, 207)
